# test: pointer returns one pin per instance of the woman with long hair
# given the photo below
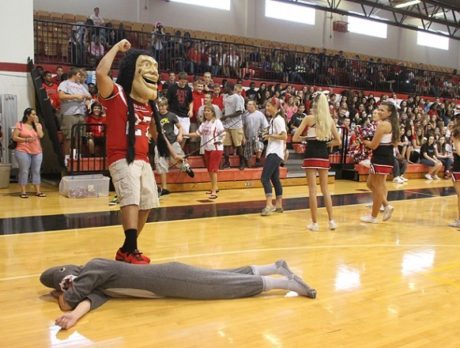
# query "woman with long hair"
(212, 133)
(321, 134)
(28, 152)
(385, 138)
(456, 167)
(274, 155)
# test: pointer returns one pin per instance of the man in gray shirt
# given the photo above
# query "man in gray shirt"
(233, 124)
(80, 289)
(73, 96)
(255, 123)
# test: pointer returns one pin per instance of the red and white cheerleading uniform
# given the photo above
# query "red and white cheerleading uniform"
(316, 154)
(383, 158)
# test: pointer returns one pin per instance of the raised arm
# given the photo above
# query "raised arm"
(103, 81)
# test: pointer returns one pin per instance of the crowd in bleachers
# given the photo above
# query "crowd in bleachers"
(177, 51)
(423, 123)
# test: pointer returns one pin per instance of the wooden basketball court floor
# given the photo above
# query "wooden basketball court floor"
(392, 284)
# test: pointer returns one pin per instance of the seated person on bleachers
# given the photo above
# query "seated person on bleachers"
(95, 135)
(169, 124)
(428, 158)
(297, 118)
(399, 167)
(444, 154)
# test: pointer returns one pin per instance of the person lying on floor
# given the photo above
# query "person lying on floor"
(80, 289)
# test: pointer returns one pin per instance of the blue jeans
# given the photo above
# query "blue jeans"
(29, 162)
(271, 172)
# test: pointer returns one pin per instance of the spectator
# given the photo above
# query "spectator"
(276, 137)
(157, 40)
(27, 134)
(95, 132)
(208, 101)
(51, 89)
(255, 124)
(217, 98)
(399, 167)
(443, 152)
(208, 82)
(428, 158)
(169, 124)
(96, 18)
(251, 93)
(213, 134)
(233, 124)
(170, 82)
(72, 95)
(180, 102)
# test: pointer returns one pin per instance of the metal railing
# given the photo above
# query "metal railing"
(83, 45)
(87, 152)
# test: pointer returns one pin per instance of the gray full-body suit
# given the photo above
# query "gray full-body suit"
(101, 279)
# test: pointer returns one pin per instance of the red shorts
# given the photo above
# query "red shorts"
(212, 160)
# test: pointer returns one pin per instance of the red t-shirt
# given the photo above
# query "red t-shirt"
(117, 126)
(53, 94)
(198, 101)
(219, 101)
(96, 130)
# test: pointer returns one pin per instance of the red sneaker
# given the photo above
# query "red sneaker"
(134, 257)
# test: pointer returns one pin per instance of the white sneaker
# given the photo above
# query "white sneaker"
(313, 227)
(455, 223)
(369, 205)
(436, 177)
(387, 212)
(369, 219)
(332, 225)
(398, 180)
(403, 178)
(428, 176)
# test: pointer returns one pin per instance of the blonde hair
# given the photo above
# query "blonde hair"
(323, 118)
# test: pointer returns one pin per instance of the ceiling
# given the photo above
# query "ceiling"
(440, 16)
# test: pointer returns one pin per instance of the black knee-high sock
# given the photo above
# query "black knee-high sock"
(130, 243)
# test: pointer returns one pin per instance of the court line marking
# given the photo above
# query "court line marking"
(305, 247)
(89, 229)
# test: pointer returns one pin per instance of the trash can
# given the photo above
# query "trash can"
(5, 172)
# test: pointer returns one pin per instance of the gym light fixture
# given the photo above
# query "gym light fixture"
(408, 3)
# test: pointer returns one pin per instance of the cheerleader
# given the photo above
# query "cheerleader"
(321, 133)
(456, 167)
(385, 138)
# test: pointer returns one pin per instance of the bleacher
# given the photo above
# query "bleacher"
(52, 32)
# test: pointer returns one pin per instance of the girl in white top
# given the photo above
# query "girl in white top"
(274, 155)
(212, 135)
(321, 134)
(385, 138)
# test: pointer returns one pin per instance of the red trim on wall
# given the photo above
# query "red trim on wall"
(14, 67)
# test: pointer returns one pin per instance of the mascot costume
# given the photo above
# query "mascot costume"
(80, 289)
(132, 121)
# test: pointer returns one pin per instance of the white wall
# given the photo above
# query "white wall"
(247, 18)
(17, 43)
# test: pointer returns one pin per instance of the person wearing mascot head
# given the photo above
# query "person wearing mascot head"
(132, 118)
